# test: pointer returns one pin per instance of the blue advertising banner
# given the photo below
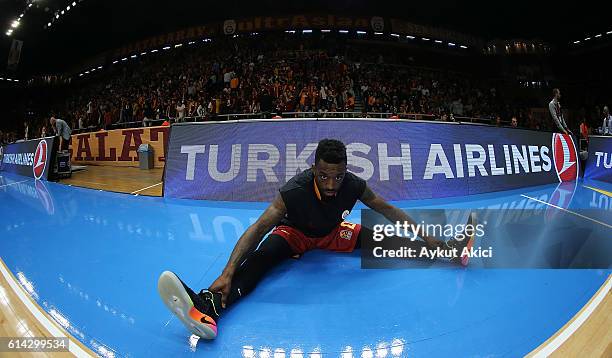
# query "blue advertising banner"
(32, 158)
(599, 163)
(249, 161)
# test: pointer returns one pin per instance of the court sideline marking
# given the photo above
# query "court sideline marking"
(149, 187)
(554, 342)
(572, 326)
(568, 211)
(74, 346)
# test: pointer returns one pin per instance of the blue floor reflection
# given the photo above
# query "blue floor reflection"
(91, 259)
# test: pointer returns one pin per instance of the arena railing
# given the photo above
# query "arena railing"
(290, 115)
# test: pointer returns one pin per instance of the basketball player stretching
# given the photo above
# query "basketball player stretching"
(308, 214)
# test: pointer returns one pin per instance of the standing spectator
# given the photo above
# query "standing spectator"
(555, 111)
(126, 113)
(303, 100)
(101, 113)
(191, 90)
(584, 132)
(514, 122)
(265, 101)
(606, 128)
(457, 107)
(254, 106)
(323, 97)
(200, 112)
(350, 103)
(149, 115)
(90, 107)
(26, 128)
(62, 130)
(108, 119)
(227, 77)
(234, 82)
(180, 111)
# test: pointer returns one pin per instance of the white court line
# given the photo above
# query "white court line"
(578, 320)
(568, 211)
(149, 187)
(53, 329)
(549, 348)
(19, 182)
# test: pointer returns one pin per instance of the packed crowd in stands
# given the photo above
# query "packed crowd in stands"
(246, 75)
(209, 81)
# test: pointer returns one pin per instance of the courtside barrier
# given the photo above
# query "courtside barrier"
(249, 160)
(33, 158)
(599, 162)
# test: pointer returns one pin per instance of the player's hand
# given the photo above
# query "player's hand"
(222, 284)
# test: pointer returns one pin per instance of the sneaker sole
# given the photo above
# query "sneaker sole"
(177, 300)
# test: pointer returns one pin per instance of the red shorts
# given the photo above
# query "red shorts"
(342, 239)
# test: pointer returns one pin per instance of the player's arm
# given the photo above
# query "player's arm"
(390, 212)
(253, 235)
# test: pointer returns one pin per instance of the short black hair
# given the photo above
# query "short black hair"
(331, 151)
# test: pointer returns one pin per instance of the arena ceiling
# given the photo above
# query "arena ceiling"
(93, 26)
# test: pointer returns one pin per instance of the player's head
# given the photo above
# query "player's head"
(330, 166)
(556, 93)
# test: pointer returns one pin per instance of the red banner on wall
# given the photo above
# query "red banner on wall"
(118, 147)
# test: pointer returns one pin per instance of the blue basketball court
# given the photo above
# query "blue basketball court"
(91, 260)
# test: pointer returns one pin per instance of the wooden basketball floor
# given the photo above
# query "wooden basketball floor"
(118, 179)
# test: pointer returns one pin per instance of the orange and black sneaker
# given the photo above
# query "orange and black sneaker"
(198, 312)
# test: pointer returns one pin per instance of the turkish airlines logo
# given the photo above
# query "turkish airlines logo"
(40, 159)
(564, 155)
